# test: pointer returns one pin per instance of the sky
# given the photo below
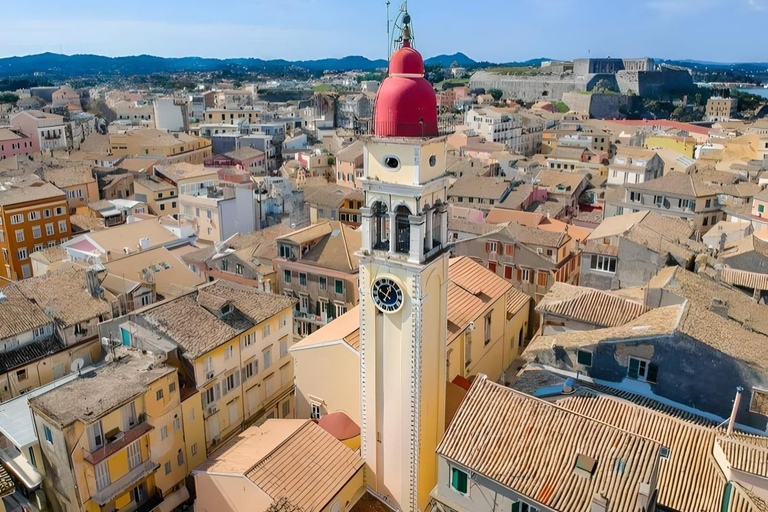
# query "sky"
(492, 30)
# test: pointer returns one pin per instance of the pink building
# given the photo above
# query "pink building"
(447, 99)
(14, 143)
(349, 165)
(246, 158)
(46, 131)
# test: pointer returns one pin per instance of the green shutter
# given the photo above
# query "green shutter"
(634, 366)
(516, 506)
(761, 208)
(727, 497)
(653, 372)
(459, 480)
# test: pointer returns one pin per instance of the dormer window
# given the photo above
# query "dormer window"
(226, 309)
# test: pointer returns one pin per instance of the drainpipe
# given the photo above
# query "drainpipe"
(736, 403)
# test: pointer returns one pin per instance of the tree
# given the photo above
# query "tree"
(496, 94)
(8, 97)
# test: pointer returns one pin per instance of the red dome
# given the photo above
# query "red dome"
(406, 105)
(406, 61)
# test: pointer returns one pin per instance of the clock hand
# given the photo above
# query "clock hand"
(389, 290)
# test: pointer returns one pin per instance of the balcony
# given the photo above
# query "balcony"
(124, 483)
(310, 317)
(20, 467)
(122, 440)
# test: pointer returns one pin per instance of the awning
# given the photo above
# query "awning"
(173, 500)
(23, 471)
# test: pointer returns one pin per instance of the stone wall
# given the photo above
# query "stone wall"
(529, 88)
(599, 106)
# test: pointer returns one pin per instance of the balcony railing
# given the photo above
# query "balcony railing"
(122, 440)
(122, 484)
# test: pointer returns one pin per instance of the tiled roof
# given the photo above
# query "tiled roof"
(690, 478)
(69, 176)
(183, 171)
(679, 184)
(27, 189)
(190, 322)
(244, 153)
(18, 314)
(479, 186)
(543, 443)
(744, 278)
(29, 352)
(351, 152)
(331, 196)
(6, 483)
(292, 461)
(64, 293)
(567, 153)
(335, 251)
(551, 179)
(589, 305)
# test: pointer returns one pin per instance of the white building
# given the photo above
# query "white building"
(496, 125)
(171, 115)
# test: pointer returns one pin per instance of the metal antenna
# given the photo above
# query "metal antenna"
(389, 47)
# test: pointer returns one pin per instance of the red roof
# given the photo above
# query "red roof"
(406, 104)
(692, 128)
(339, 425)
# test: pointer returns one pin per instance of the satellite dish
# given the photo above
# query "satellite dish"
(77, 364)
(105, 341)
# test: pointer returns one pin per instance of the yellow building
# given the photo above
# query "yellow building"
(233, 343)
(77, 183)
(161, 197)
(114, 438)
(174, 148)
(683, 145)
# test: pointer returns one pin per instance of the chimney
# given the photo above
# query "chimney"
(144, 243)
(736, 403)
(599, 503)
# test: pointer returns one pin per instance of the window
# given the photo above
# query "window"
(194, 448)
(708, 203)
(283, 348)
(47, 433)
(340, 309)
(287, 276)
(265, 330)
(459, 481)
(17, 219)
(492, 266)
(62, 226)
(37, 232)
(603, 263)
(59, 211)
(761, 208)
(21, 374)
(584, 358)
(49, 230)
(19, 235)
(238, 269)
(224, 265)
(521, 506)
(172, 387)
(33, 216)
(159, 395)
(180, 458)
(509, 249)
(168, 468)
(527, 275)
(95, 435)
(642, 370)
(658, 200)
(491, 246)
(267, 357)
(706, 221)
(47, 213)
(302, 279)
(339, 286)
(229, 350)
(22, 253)
(176, 424)
(487, 324)
(164, 432)
(231, 382)
(323, 282)
(251, 369)
(248, 339)
(314, 411)
(102, 475)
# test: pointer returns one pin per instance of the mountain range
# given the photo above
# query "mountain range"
(85, 65)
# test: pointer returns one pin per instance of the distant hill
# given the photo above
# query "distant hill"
(446, 60)
(83, 65)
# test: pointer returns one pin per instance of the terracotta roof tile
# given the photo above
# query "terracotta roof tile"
(589, 305)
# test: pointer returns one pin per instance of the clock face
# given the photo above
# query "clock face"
(387, 295)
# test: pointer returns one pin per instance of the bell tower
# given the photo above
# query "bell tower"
(403, 286)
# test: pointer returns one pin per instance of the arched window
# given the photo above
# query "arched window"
(403, 229)
(380, 228)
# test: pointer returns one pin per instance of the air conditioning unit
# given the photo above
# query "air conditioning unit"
(209, 375)
(213, 409)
